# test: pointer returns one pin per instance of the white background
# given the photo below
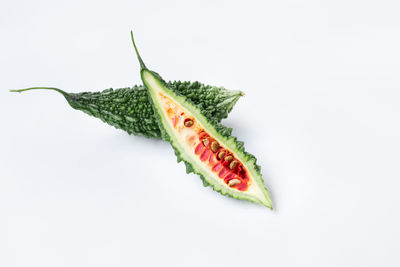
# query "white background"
(321, 113)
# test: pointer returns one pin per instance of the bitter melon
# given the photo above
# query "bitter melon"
(130, 110)
(204, 145)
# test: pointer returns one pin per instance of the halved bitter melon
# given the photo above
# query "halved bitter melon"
(203, 144)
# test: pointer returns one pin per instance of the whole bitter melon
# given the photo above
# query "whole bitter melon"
(130, 110)
(202, 143)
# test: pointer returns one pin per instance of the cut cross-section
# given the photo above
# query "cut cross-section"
(204, 146)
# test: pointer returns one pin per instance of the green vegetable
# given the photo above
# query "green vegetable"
(130, 110)
(204, 145)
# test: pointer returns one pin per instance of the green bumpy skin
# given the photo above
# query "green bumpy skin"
(173, 111)
(129, 109)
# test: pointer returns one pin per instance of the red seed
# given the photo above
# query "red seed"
(242, 187)
(222, 173)
(205, 155)
(198, 149)
(202, 135)
(229, 177)
(234, 182)
(233, 164)
(217, 167)
(188, 122)
(221, 154)
(205, 141)
(214, 146)
(211, 159)
(242, 173)
(228, 158)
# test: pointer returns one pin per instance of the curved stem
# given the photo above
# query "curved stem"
(142, 65)
(45, 88)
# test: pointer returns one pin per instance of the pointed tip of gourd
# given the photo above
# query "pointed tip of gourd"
(266, 201)
(267, 204)
(237, 96)
(142, 65)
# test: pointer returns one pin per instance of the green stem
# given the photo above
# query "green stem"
(142, 65)
(45, 88)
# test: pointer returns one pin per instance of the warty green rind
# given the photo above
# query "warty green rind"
(129, 108)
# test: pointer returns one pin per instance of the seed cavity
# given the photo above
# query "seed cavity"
(233, 182)
(214, 146)
(233, 164)
(228, 158)
(205, 141)
(188, 122)
(221, 154)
